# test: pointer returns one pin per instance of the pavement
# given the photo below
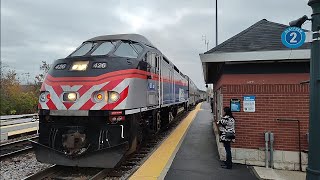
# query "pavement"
(198, 157)
(274, 174)
(158, 163)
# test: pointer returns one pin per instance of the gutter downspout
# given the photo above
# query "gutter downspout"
(271, 149)
(266, 138)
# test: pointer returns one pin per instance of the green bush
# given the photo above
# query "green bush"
(16, 98)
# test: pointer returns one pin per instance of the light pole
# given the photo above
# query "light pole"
(216, 22)
(313, 169)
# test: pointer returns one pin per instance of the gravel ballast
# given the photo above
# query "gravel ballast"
(21, 166)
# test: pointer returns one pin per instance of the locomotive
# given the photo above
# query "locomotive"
(97, 105)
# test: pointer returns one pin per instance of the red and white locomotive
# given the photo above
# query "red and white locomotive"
(97, 104)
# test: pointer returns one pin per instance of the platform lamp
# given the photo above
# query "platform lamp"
(313, 169)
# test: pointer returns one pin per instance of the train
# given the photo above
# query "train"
(98, 104)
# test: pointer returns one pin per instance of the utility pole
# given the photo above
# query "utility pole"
(313, 169)
(216, 23)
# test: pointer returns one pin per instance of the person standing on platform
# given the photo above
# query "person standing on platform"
(227, 135)
(211, 104)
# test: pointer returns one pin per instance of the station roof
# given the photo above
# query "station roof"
(261, 36)
(260, 43)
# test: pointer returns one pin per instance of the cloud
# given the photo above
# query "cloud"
(33, 31)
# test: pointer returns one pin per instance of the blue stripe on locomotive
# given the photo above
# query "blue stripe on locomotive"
(168, 95)
(171, 97)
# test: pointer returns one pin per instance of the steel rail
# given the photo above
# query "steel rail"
(11, 147)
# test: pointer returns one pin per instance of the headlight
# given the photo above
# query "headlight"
(108, 96)
(70, 96)
(100, 96)
(44, 96)
(113, 96)
(79, 66)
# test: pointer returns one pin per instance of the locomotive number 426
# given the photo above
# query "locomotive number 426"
(99, 65)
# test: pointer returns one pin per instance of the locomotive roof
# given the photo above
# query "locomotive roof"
(129, 37)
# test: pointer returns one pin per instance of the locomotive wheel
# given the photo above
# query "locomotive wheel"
(186, 107)
(158, 120)
(141, 130)
(167, 116)
(133, 140)
(170, 117)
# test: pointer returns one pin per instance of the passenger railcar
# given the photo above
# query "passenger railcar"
(97, 104)
(203, 95)
(193, 93)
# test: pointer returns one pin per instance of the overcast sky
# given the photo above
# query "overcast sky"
(32, 31)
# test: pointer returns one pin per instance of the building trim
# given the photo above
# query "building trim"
(299, 54)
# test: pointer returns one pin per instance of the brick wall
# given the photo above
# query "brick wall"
(272, 101)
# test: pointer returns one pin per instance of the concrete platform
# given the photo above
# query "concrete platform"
(157, 165)
(198, 156)
(274, 174)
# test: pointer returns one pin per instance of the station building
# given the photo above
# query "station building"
(264, 82)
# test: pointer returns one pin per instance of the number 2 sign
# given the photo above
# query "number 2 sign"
(293, 37)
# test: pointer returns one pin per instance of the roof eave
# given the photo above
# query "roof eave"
(216, 59)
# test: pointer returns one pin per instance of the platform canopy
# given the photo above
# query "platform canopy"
(260, 43)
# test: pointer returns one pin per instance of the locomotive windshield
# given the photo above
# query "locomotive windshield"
(84, 49)
(124, 49)
(128, 49)
(104, 48)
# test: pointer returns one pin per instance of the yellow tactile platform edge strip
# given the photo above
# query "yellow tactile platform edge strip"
(11, 133)
(157, 165)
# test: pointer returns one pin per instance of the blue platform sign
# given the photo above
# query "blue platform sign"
(249, 103)
(235, 105)
(293, 37)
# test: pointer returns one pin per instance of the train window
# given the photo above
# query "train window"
(84, 49)
(104, 48)
(126, 50)
(138, 47)
(151, 59)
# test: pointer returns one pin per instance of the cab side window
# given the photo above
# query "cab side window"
(152, 62)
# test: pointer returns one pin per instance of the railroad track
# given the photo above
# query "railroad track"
(65, 172)
(123, 171)
(15, 147)
(134, 161)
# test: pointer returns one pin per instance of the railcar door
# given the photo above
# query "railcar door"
(172, 86)
(160, 79)
(154, 84)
